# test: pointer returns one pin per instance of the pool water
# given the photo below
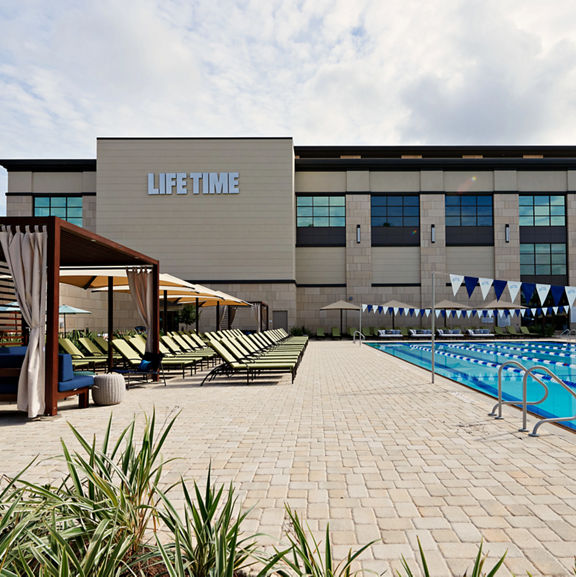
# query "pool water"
(475, 364)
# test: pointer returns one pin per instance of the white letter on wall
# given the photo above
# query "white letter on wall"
(151, 187)
(233, 185)
(181, 183)
(195, 176)
(218, 183)
(170, 181)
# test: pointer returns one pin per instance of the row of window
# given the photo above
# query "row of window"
(66, 207)
(404, 210)
(543, 259)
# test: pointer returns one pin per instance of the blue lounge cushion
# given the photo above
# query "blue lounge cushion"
(68, 380)
(13, 351)
(77, 382)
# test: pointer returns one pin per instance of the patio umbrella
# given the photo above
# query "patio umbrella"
(341, 306)
(450, 305)
(62, 310)
(395, 305)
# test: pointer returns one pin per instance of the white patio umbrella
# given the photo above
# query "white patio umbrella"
(62, 310)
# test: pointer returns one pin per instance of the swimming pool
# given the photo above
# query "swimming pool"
(475, 364)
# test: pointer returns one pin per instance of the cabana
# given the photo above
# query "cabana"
(35, 249)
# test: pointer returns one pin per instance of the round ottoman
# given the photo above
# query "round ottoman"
(109, 389)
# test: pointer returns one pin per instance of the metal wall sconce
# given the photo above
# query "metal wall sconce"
(507, 233)
(358, 234)
(433, 233)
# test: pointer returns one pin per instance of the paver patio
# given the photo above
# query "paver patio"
(363, 441)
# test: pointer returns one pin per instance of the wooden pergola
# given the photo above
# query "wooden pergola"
(71, 245)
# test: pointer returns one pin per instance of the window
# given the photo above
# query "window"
(66, 207)
(395, 211)
(543, 259)
(321, 211)
(468, 210)
(542, 210)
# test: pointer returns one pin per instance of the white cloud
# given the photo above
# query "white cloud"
(323, 71)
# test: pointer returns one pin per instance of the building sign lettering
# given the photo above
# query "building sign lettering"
(193, 183)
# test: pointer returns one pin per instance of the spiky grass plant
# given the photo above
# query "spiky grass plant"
(477, 569)
(305, 557)
(110, 490)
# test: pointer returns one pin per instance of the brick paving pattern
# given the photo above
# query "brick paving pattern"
(364, 442)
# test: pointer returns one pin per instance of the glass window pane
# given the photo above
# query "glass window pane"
(74, 213)
(395, 221)
(558, 269)
(59, 212)
(41, 201)
(41, 211)
(526, 221)
(526, 210)
(468, 221)
(557, 221)
(337, 211)
(527, 248)
(411, 211)
(484, 221)
(411, 201)
(337, 201)
(304, 201)
(468, 201)
(379, 201)
(304, 211)
(394, 211)
(557, 210)
(321, 221)
(76, 221)
(484, 210)
(337, 221)
(58, 201)
(557, 200)
(541, 221)
(321, 210)
(542, 269)
(305, 221)
(558, 258)
(541, 248)
(526, 269)
(558, 248)
(526, 259)
(541, 200)
(485, 200)
(379, 211)
(395, 201)
(526, 200)
(541, 210)
(75, 201)
(452, 221)
(411, 221)
(321, 200)
(452, 211)
(452, 200)
(468, 211)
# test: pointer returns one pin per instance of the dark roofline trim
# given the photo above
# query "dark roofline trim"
(49, 165)
(59, 194)
(194, 138)
(432, 164)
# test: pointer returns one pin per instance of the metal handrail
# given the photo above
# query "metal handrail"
(361, 337)
(568, 333)
(529, 372)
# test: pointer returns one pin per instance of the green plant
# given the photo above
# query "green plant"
(305, 558)
(187, 314)
(476, 569)
(208, 540)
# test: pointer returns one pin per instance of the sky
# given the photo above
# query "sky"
(322, 71)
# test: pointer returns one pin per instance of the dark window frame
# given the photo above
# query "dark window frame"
(77, 220)
(317, 208)
(542, 258)
(533, 213)
(404, 219)
(460, 205)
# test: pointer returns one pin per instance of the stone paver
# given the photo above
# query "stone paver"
(364, 442)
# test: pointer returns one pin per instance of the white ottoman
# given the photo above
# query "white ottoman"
(109, 389)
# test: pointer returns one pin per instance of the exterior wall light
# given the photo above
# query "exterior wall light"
(358, 234)
(433, 233)
(507, 233)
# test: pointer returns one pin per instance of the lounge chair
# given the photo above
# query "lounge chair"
(513, 332)
(482, 333)
(233, 365)
(390, 334)
(79, 359)
(320, 334)
(93, 349)
(336, 333)
(148, 365)
(500, 332)
(420, 333)
(527, 332)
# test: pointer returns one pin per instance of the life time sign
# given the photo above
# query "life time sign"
(193, 182)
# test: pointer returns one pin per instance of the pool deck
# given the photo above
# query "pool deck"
(363, 441)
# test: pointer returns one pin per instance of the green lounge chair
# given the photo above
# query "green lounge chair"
(232, 365)
(79, 359)
(320, 334)
(527, 332)
(336, 333)
(511, 330)
(500, 332)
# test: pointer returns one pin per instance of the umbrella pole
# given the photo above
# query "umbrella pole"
(197, 316)
(341, 325)
(110, 322)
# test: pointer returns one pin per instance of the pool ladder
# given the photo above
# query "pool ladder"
(358, 335)
(570, 333)
(529, 372)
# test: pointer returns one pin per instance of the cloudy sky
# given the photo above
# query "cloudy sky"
(322, 71)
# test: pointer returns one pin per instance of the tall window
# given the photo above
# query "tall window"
(321, 211)
(542, 210)
(468, 210)
(396, 210)
(66, 207)
(543, 258)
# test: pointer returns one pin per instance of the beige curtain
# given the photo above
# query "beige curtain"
(25, 252)
(140, 283)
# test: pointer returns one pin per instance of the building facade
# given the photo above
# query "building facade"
(299, 227)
